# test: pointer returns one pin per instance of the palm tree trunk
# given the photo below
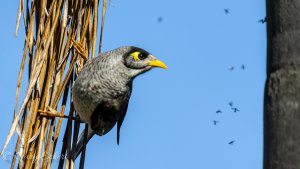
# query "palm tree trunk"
(282, 89)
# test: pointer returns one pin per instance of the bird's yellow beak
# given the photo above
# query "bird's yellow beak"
(157, 63)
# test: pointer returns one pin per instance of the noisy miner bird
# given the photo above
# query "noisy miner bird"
(103, 87)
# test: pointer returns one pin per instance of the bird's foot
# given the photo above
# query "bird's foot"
(52, 113)
(80, 49)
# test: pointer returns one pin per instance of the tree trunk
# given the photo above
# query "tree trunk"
(282, 90)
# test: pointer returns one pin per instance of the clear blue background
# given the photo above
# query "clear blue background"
(169, 120)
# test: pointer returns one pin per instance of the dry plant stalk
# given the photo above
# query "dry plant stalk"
(60, 37)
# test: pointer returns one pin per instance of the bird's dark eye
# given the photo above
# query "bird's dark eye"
(142, 56)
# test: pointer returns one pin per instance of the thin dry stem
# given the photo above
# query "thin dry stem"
(102, 24)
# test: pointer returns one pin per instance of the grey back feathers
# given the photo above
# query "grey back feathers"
(105, 77)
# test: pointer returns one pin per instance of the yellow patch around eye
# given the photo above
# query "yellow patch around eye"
(135, 55)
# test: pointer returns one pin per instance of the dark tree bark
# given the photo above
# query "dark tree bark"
(282, 90)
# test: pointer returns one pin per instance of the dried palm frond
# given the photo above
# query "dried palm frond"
(60, 36)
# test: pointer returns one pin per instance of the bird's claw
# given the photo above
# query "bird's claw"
(79, 49)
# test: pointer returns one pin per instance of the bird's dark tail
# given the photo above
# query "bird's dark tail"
(118, 132)
(80, 140)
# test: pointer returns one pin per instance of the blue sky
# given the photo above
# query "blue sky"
(169, 119)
